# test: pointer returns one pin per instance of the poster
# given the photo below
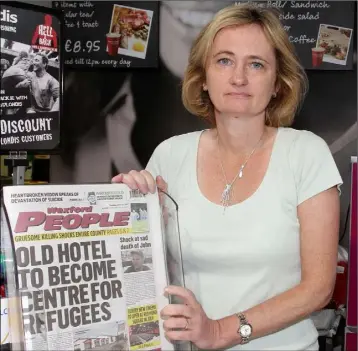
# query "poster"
(321, 31)
(30, 78)
(110, 34)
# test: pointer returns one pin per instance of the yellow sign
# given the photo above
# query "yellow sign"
(143, 314)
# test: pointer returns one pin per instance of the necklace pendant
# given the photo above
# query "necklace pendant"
(225, 196)
(241, 173)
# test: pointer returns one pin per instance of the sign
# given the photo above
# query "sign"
(322, 31)
(122, 34)
(31, 87)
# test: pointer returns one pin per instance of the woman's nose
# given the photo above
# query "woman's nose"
(239, 76)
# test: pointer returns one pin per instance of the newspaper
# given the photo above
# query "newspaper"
(90, 265)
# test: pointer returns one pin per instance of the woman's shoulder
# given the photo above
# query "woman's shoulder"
(303, 140)
(312, 163)
(307, 151)
(301, 135)
(174, 151)
(182, 139)
(180, 142)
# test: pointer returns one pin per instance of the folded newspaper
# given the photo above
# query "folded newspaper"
(90, 266)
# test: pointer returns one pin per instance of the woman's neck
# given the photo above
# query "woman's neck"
(240, 135)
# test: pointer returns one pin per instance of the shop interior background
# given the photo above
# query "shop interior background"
(114, 119)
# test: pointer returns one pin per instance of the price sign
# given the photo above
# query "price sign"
(110, 34)
(79, 46)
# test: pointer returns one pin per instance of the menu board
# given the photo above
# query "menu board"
(322, 31)
(121, 34)
(31, 78)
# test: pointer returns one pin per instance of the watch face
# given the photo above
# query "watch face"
(245, 330)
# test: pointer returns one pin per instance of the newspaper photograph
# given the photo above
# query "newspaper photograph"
(90, 266)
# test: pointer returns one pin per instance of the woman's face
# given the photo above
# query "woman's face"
(241, 71)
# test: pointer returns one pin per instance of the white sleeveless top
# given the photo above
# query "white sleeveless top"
(236, 260)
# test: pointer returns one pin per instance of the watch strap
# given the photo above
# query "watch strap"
(242, 318)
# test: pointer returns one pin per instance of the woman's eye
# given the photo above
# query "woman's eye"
(225, 61)
(257, 65)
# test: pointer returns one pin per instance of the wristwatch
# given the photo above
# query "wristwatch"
(245, 328)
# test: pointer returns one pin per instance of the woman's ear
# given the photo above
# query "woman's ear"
(205, 87)
(277, 88)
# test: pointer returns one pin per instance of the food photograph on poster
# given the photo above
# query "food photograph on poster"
(132, 27)
(336, 42)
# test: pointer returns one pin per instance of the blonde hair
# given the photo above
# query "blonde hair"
(291, 79)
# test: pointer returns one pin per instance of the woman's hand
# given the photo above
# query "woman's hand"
(189, 322)
(142, 180)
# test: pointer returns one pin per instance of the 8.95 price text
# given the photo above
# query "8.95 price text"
(78, 46)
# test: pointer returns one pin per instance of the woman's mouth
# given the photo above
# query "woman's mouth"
(242, 95)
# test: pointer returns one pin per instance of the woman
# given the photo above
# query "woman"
(258, 201)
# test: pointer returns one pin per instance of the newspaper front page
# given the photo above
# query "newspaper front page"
(90, 266)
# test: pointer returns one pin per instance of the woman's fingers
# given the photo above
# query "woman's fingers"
(118, 178)
(174, 310)
(150, 180)
(176, 323)
(129, 180)
(142, 180)
(161, 183)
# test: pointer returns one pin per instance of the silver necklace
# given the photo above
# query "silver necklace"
(226, 194)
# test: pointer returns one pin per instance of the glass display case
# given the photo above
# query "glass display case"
(14, 326)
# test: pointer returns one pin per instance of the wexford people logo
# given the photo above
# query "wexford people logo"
(45, 37)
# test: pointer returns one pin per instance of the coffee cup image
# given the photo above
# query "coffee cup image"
(317, 56)
(113, 41)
